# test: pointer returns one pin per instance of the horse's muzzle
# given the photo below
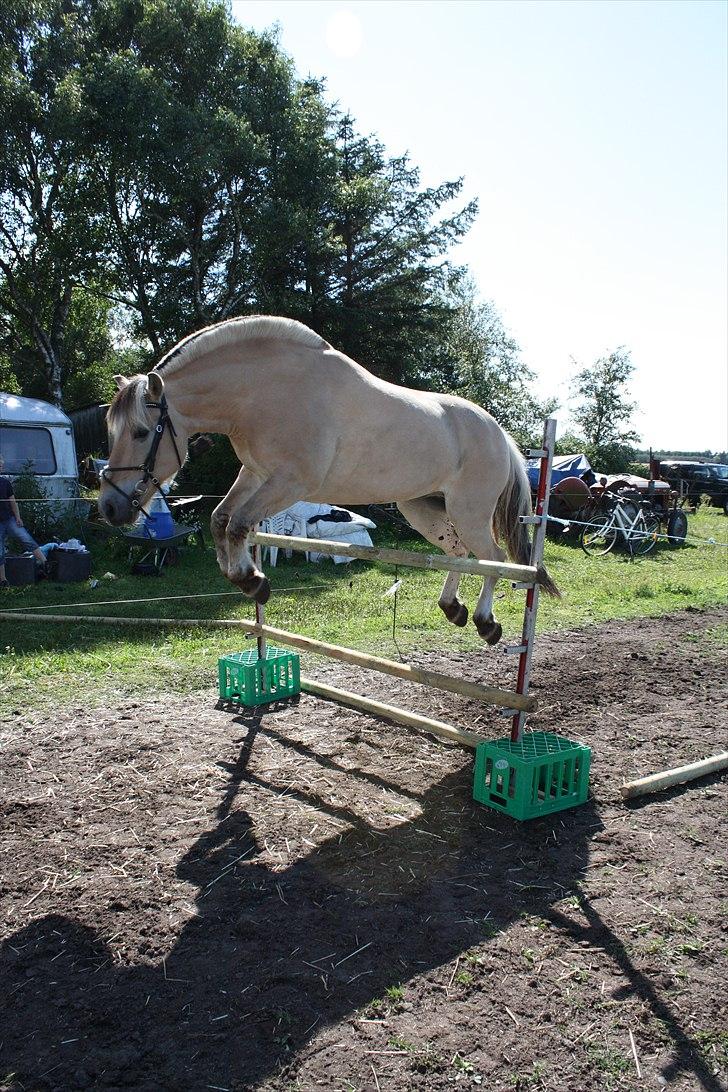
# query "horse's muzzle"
(116, 509)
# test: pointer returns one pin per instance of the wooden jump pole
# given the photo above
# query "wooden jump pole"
(411, 559)
(492, 695)
(391, 712)
(681, 774)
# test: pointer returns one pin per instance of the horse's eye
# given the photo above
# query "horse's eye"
(140, 433)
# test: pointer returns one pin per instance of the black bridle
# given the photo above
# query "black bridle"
(147, 467)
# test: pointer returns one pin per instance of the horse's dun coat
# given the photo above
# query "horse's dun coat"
(308, 423)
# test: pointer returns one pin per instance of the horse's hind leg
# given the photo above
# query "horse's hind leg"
(428, 516)
(474, 526)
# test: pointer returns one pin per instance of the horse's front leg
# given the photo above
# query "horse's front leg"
(280, 491)
(242, 488)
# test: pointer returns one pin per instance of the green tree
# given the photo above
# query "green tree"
(161, 159)
(569, 443)
(202, 138)
(479, 360)
(84, 369)
(48, 220)
(387, 259)
(603, 411)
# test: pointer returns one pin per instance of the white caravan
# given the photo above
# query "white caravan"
(37, 436)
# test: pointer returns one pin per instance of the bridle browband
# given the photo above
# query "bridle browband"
(147, 467)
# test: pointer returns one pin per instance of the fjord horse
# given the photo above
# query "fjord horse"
(309, 423)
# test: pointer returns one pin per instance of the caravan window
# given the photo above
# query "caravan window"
(27, 449)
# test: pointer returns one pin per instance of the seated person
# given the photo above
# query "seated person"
(11, 524)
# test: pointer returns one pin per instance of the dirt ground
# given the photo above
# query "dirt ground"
(194, 897)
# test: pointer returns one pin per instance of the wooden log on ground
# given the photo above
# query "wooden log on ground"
(411, 559)
(506, 699)
(681, 774)
(392, 712)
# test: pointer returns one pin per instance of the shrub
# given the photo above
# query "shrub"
(43, 517)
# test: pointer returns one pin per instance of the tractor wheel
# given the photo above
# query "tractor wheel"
(677, 527)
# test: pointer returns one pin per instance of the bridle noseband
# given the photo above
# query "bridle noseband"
(147, 467)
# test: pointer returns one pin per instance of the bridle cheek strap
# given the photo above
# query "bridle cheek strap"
(147, 467)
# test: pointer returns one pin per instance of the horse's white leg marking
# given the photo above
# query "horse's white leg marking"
(243, 487)
(279, 491)
(427, 515)
(474, 522)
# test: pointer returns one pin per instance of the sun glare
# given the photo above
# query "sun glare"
(343, 34)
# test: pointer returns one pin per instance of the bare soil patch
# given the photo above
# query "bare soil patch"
(194, 897)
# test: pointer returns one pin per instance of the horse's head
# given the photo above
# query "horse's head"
(148, 445)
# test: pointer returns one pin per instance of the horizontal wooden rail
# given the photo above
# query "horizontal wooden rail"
(507, 699)
(411, 559)
(679, 776)
(392, 712)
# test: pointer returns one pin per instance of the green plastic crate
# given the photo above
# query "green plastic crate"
(540, 774)
(251, 681)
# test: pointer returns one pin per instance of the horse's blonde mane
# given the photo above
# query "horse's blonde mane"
(129, 407)
(238, 329)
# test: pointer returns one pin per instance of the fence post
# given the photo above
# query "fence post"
(532, 595)
(259, 608)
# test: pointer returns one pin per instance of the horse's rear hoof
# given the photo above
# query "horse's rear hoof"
(490, 631)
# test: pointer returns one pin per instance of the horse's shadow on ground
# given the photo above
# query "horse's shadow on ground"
(272, 958)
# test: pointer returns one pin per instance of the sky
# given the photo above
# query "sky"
(594, 134)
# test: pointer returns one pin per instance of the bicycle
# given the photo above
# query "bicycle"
(634, 523)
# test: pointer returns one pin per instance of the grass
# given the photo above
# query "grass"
(611, 1062)
(391, 1002)
(714, 1045)
(47, 663)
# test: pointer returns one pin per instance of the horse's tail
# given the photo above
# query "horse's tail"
(514, 502)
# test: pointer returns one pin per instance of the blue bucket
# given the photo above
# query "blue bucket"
(159, 525)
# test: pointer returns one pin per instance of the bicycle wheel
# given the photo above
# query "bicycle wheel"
(646, 532)
(600, 536)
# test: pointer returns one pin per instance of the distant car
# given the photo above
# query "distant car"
(694, 480)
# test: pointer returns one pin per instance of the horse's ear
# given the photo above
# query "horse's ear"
(155, 386)
(121, 381)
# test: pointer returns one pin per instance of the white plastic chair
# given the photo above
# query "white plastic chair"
(295, 525)
(283, 523)
(272, 526)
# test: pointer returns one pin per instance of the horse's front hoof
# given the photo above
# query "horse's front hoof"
(455, 612)
(491, 631)
(262, 594)
(255, 586)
